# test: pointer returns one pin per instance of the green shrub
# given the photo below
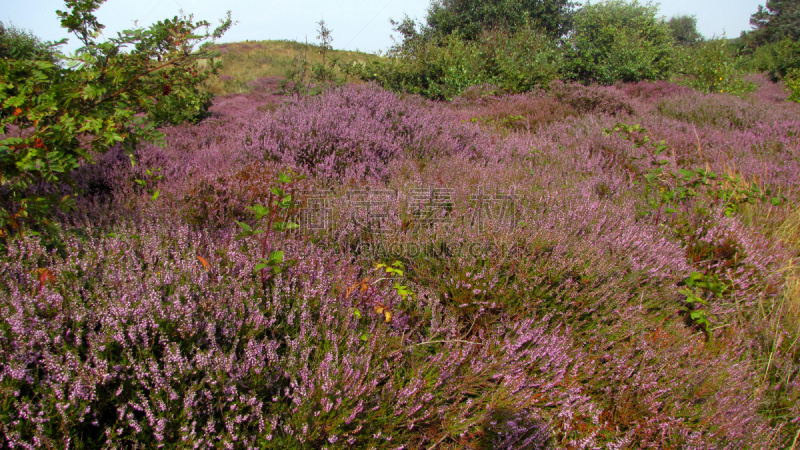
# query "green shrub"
(793, 82)
(20, 44)
(712, 66)
(617, 40)
(514, 62)
(107, 97)
(777, 58)
(177, 108)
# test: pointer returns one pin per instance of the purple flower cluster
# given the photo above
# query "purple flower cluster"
(569, 327)
(354, 131)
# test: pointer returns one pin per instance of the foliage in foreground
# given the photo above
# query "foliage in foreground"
(54, 119)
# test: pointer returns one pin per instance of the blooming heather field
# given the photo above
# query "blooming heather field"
(553, 277)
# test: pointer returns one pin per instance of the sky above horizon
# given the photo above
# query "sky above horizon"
(356, 24)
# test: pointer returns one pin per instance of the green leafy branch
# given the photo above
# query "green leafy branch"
(675, 187)
(280, 207)
(148, 183)
(699, 289)
(55, 118)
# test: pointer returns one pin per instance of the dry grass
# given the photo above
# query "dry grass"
(790, 234)
(245, 62)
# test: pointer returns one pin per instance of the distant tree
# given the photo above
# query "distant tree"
(777, 20)
(469, 18)
(16, 43)
(684, 29)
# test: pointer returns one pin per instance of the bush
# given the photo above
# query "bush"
(712, 67)
(65, 116)
(777, 58)
(354, 131)
(618, 40)
(175, 109)
(793, 83)
(514, 62)
(20, 44)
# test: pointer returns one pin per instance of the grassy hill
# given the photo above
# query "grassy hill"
(247, 64)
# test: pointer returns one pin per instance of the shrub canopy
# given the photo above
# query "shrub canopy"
(469, 18)
(617, 40)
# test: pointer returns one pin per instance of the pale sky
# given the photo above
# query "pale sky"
(356, 24)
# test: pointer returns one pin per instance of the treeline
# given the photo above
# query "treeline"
(514, 46)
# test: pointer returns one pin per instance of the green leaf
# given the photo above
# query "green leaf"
(276, 257)
(259, 211)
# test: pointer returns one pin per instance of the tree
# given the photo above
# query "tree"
(778, 20)
(469, 18)
(617, 40)
(54, 118)
(684, 29)
(20, 44)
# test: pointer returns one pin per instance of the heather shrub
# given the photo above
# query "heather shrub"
(713, 110)
(589, 99)
(478, 92)
(617, 40)
(194, 352)
(217, 201)
(712, 66)
(353, 132)
(652, 89)
(522, 112)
